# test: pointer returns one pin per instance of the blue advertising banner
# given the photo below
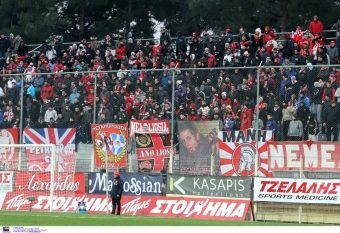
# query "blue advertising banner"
(134, 184)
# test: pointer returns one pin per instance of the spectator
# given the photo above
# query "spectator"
(316, 26)
(312, 127)
(295, 131)
(268, 35)
(50, 113)
(254, 125)
(331, 121)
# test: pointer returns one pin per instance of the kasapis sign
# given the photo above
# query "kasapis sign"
(134, 184)
(317, 156)
(297, 190)
(159, 126)
(209, 186)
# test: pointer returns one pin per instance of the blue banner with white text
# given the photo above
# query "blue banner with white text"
(134, 184)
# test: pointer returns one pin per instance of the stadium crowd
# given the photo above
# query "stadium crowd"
(297, 103)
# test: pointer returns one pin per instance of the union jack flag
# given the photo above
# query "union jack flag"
(39, 158)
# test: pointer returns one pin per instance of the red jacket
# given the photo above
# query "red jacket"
(120, 51)
(265, 37)
(211, 61)
(245, 119)
(316, 27)
(46, 92)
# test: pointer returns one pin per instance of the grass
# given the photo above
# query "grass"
(20, 218)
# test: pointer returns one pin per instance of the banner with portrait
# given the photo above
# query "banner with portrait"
(110, 140)
(198, 144)
(238, 152)
(9, 155)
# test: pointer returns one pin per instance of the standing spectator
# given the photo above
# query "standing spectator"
(287, 113)
(242, 33)
(328, 91)
(22, 49)
(266, 35)
(253, 124)
(4, 45)
(58, 46)
(312, 127)
(46, 92)
(271, 124)
(331, 121)
(38, 84)
(246, 117)
(333, 53)
(117, 188)
(164, 37)
(295, 130)
(316, 26)
(50, 113)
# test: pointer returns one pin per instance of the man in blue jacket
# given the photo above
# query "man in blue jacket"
(271, 123)
(116, 192)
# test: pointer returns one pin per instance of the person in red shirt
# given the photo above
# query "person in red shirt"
(298, 35)
(46, 91)
(246, 116)
(211, 59)
(120, 51)
(316, 26)
(267, 32)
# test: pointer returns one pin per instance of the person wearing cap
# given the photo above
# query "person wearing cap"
(316, 26)
(295, 130)
(116, 193)
(331, 119)
(333, 52)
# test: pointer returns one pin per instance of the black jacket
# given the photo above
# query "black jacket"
(117, 188)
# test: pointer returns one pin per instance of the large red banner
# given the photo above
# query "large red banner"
(39, 158)
(40, 182)
(238, 152)
(153, 152)
(175, 207)
(110, 140)
(317, 156)
(9, 155)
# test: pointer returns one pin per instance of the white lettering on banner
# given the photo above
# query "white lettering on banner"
(157, 127)
(325, 155)
(61, 184)
(133, 185)
(199, 207)
(134, 205)
(297, 191)
(316, 156)
(59, 203)
(154, 152)
(17, 202)
(203, 184)
(292, 158)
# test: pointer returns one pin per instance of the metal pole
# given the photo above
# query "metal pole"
(257, 130)
(92, 160)
(52, 176)
(130, 162)
(21, 120)
(301, 176)
(107, 184)
(95, 95)
(172, 122)
(212, 161)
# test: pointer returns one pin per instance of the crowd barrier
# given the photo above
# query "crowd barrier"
(185, 196)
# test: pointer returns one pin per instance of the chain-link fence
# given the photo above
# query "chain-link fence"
(296, 103)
